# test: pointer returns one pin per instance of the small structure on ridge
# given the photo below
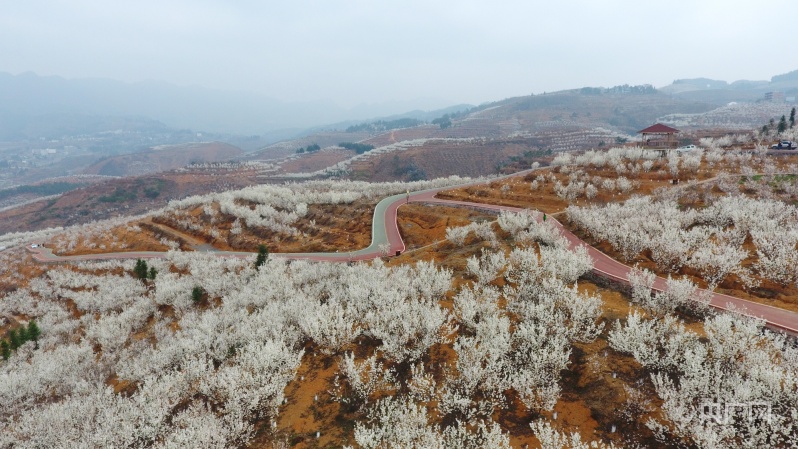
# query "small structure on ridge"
(659, 136)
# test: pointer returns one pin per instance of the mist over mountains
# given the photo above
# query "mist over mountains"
(49, 104)
(33, 106)
(721, 92)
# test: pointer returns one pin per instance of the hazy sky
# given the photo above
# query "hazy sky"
(354, 52)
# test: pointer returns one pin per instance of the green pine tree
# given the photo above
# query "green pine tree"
(263, 254)
(792, 118)
(34, 332)
(13, 338)
(196, 293)
(22, 333)
(782, 124)
(141, 269)
(5, 349)
(153, 272)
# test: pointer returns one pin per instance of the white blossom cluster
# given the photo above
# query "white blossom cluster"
(482, 229)
(70, 236)
(629, 163)
(708, 240)
(103, 232)
(560, 139)
(404, 424)
(581, 184)
(196, 375)
(201, 376)
(633, 162)
(13, 239)
(679, 293)
(770, 183)
(278, 207)
(522, 346)
(737, 369)
(739, 116)
(609, 158)
(527, 228)
(552, 439)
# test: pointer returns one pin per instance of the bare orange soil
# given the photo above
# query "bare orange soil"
(422, 225)
(440, 159)
(311, 162)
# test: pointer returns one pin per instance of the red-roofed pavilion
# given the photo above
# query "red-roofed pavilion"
(659, 136)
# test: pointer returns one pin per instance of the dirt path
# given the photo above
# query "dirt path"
(177, 235)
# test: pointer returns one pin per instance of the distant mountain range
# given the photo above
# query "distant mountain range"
(721, 92)
(33, 107)
(31, 101)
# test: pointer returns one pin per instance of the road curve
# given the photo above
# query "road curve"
(386, 240)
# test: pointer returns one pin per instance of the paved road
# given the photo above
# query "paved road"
(386, 240)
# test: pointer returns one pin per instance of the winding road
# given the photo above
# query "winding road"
(386, 240)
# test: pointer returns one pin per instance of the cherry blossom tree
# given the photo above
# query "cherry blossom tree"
(552, 439)
(701, 381)
(402, 424)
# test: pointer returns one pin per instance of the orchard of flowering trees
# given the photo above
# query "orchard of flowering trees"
(202, 354)
(709, 240)
(735, 387)
(522, 346)
(277, 208)
(734, 384)
(129, 363)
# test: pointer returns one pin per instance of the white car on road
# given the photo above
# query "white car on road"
(784, 145)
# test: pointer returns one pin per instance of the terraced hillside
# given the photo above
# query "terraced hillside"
(123, 197)
(560, 121)
(164, 159)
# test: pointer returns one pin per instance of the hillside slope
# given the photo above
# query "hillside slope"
(163, 159)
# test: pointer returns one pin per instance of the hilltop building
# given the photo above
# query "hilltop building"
(774, 96)
(659, 136)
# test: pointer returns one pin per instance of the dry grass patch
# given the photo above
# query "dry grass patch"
(422, 225)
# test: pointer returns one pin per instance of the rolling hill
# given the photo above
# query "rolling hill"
(164, 158)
